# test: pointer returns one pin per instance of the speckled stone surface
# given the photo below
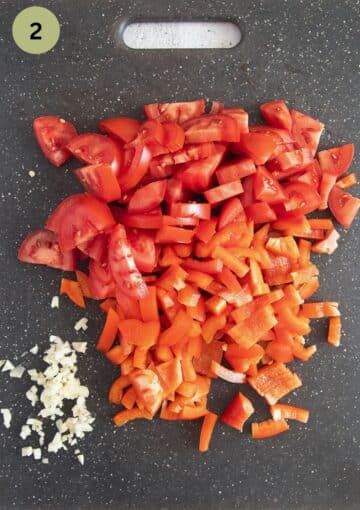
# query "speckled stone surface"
(304, 51)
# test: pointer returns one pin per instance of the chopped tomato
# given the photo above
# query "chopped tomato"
(174, 136)
(95, 149)
(101, 282)
(257, 146)
(79, 218)
(42, 247)
(136, 164)
(260, 212)
(176, 112)
(150, 220)
(211, 128)
(306, 130)
(343, 206)
(336, 161)
(197, 175)
(192, 209)
(96, 248)
(100, 180)
(143, 249)
(301, 198)
(53, 134)
(277, 114)
(231, 211)
(266, 188)
(235, 169)
(123, 128)
(223, 192)
(147, 198)
(122, 265)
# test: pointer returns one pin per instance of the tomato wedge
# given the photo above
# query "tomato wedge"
(306, 130)
(136, 164)
(95, 149)
(176, 112)
(123, 128)
(211, 128)
(42, 247)
(336, 161)
(148, 197)
(231, 211)
(100, 180)
(79, 218)
(174, 136)
(192, 209)
(343, 206)
(96, 248)
(277, 114)
(266, 188)
(143, 249)
(53, 134)
(301, 198)
(101, 282)
(122, 265)
(257, 146)
(235, 169)
(197, 175)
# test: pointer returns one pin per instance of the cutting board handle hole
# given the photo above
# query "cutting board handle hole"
(174, 35)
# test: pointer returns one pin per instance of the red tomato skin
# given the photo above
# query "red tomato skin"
(100, 180)
(94, 149)
(197, 175)
(79, 218)
(277, 114)
(336, 161)
(343, 206)
(122, 128)
(211, 128)
(175, 112)
(42, 247)
(53, 134)
(148, 197)
(136, 165)
(143, 249)
(96, 248)
(122, 265)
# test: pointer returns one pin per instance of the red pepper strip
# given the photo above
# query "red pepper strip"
(207, 266)
(173, 278)
(334, 334)
(207, 430)
(109, 332)
(288, 412)
(248, 332)
(238, 412)
(135, 332)
(123, 417)
(230, 261)
(83, 281)
(211, 326)
(73, 291)
(206, 230)
(178, 330)
(320, 309)
(167, 234)
(148, 306)
(268, 428)
(274, 382)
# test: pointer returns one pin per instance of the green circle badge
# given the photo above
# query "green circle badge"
(36, 30)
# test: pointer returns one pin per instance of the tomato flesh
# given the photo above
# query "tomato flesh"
(79, 218)
(257, 146)
(53, 135)
(95, 149)
(277, 114)
(122, 265)
(123, 128)
(211, 128)
(266, 188)
(176, 112)
(301, 198)
(42, 247)
(336, 161)
(100, 180)
(143, 249)
(343, 206)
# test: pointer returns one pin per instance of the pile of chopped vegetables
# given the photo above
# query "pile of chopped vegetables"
(195, 229)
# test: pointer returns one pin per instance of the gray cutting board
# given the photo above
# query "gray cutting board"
(305, 52)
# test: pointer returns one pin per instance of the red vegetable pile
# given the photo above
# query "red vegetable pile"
(195, 230)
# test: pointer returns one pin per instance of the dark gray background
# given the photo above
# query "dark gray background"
(305, 52)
